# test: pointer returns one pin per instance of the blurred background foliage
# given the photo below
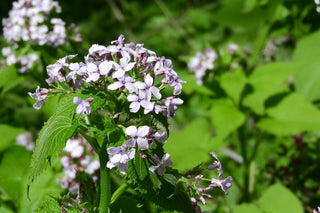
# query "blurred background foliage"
(263, 118)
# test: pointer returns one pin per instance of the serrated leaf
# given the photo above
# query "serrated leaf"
(156, 183)
(225, 117)
(267, 80)
(137, 168)
(53, 136)
(233, 83)
(278, 198)
(49, 205)
(293, 115)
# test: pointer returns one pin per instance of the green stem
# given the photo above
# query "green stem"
(105, 185)
(246, 162)
(92, 141)
(120, 191)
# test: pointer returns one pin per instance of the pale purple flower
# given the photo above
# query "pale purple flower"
(119, 41)
(122, 83)
(202, 62)
(138, 136)
(224, 184)
(138, 101)
(92, 72)
(160, 136)
(40, 95)
(83, 105)
(232, 48)
(146, 88)
(54, 70)
(97, 50)
(161, 164)
(171, 104)
(216, 165)
(25, 139)
(106, 66)
(124, 66)
(74, 147)
(119, 156)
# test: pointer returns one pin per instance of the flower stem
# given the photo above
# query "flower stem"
(105, 185)
(246, 162)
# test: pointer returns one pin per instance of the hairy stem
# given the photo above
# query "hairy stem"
(105, 184)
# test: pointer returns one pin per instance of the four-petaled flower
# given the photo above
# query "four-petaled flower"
(138, 136)
(161, 164)
(119, 156)
(83, 105)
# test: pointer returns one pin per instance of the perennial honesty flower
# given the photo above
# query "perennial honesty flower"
(199, 192)
(130, 69)
(31, 21)
(78, 157)
(28, 19)
(129, 73)
(202, 62)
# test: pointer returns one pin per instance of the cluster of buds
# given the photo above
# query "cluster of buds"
(24, 63)
(26, 140)
(123, 70)
(79, 157)
(198, 192)
(71, 203)
(141, 138)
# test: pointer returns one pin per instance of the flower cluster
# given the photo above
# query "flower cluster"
(79, 157)
(202, 62)
(26, 140)
(317, 2)
(33, 22)
(28, 20)
(141, 138)
(127, 69)
(199, 192)
(23, 62)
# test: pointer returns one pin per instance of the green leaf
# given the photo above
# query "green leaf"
(13, 168)
(293, 115)
(233, 83)
(246, 208)
(305, 55)
(267, 80)
(278, 198)
(8, 135)
(190, 146)
(9, 79)
(53, 136)
(49, 205)
(306, 80)
(138, 168)
(225, 118)
(307, 49)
